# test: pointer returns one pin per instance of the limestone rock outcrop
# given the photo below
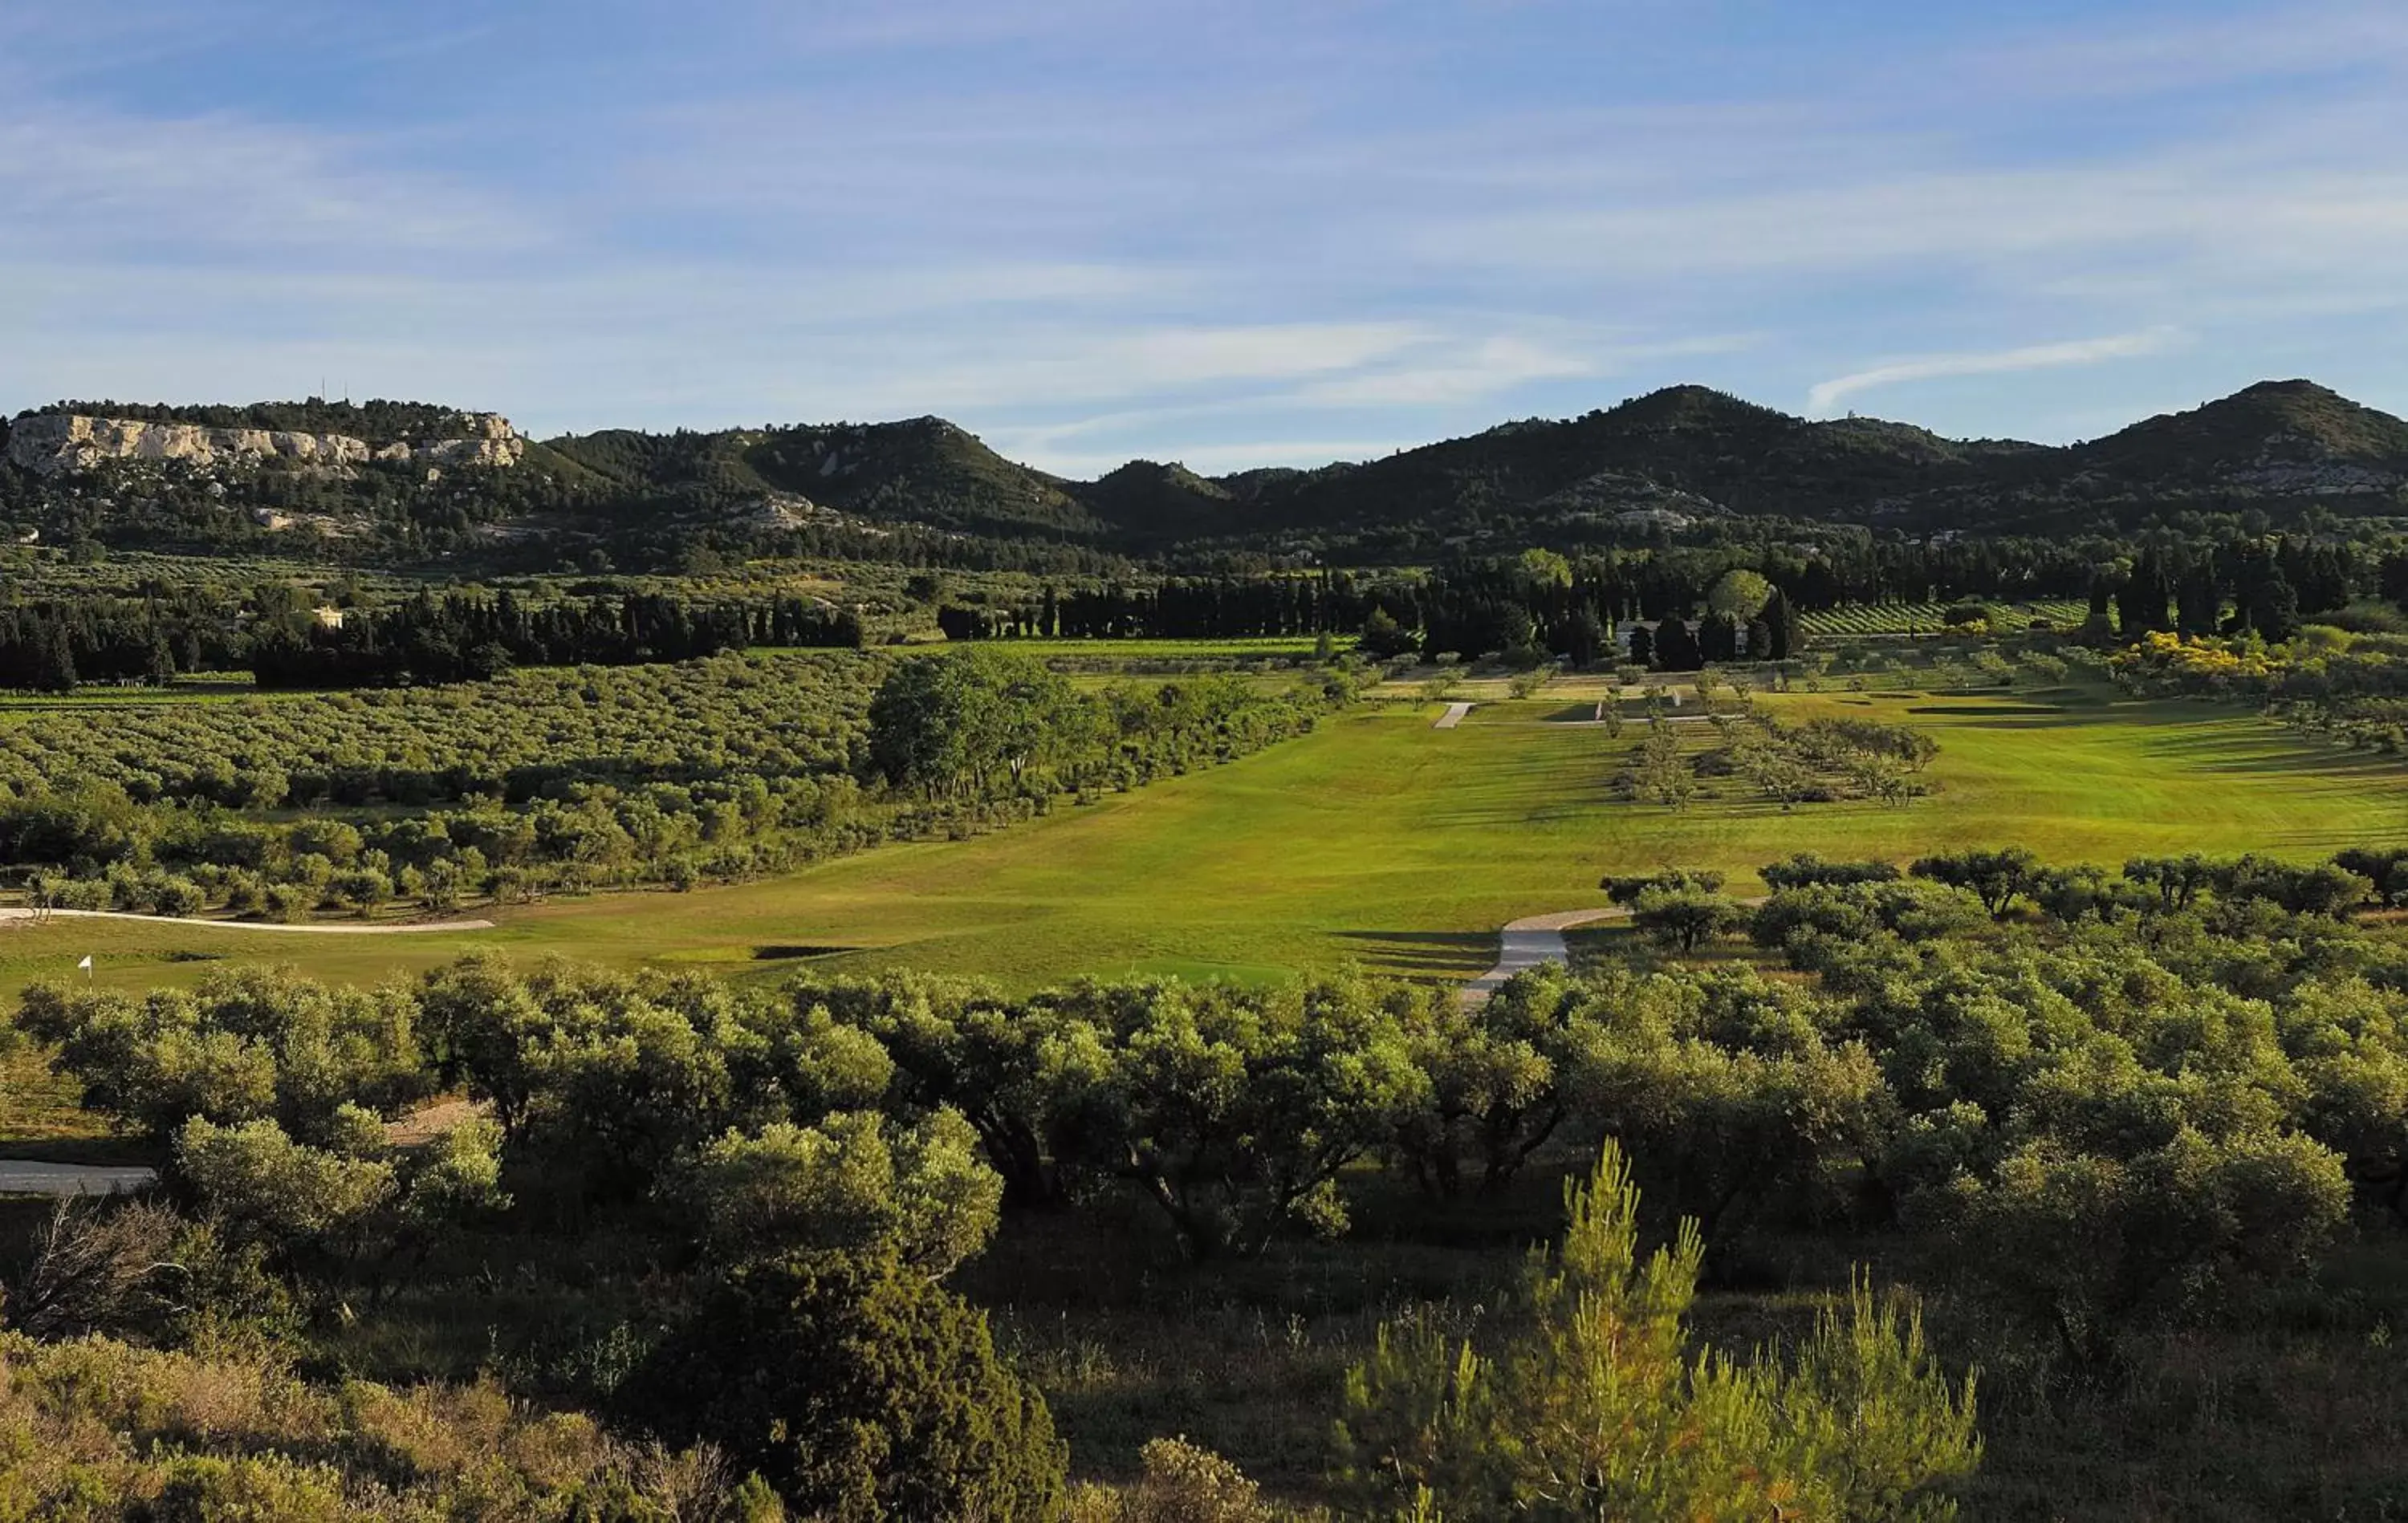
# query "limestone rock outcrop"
(49, 443)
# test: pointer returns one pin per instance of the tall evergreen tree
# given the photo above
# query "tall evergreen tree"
(1676, 648)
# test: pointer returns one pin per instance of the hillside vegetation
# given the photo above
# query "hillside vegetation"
(1662, 461)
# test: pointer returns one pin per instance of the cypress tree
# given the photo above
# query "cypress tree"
(1676, 648)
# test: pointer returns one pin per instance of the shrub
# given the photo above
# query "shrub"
(102, 1431)
(860, 1391)
(1630, 890)
(261, 1184)
(1806, 868)
(1182, 1484)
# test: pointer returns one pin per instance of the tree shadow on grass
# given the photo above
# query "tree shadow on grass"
(2019, 715)
(1444, 952)
(107, 1151)
(2272, 752)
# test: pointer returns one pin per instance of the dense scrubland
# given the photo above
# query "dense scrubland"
(1977, 1158)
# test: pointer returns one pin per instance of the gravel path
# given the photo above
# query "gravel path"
(414, 928)
(23, 1177)
(1452, 717)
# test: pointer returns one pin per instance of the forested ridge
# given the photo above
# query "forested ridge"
(1669, 459)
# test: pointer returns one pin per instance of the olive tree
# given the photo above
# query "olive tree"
(1004, 1066)
(1807, 869)
(1998, 877)
(1686, 920)
(856, 1181)
(1626, 889)
(1234, 1112)
(1501, 1078)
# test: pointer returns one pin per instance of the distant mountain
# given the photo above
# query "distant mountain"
(1661, 461)
(1148, 500)
(1684, 448)
(2287, 437)
(1688, 451)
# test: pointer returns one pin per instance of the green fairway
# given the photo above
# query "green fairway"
(1382, 841)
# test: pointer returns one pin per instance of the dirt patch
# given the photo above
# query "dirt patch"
(423, 1126)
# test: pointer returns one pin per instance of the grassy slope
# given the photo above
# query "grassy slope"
(1383, 841)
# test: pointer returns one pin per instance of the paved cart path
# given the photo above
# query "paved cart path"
(1537, 939)
(24, 1176)
(1534, 940)
(1452, 717)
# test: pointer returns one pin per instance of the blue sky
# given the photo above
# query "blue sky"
(1231, 232)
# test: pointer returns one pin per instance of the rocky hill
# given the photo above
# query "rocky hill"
(923, 470)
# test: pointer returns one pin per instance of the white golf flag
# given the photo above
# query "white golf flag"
(86, 964)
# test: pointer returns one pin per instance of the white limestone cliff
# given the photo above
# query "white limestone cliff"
(49, 443)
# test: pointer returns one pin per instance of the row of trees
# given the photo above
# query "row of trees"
(979, 720)
(459, 638)
(1688, 606)
(1172, 608)
(1240, 1116)
(1683, 907)
(2328, 683)
(50, 645)
(1684, 606)
(53, 644)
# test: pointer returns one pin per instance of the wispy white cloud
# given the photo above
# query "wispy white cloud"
(101, 182)
(2210, 208)
(2320, 37)
(1019, 365)
(1485, 369)
(1463, 370)
(2083, 351)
